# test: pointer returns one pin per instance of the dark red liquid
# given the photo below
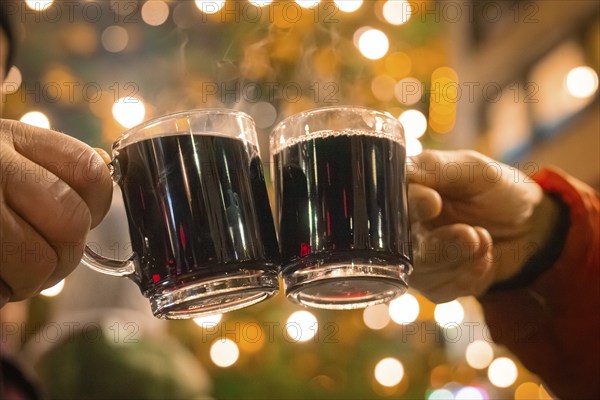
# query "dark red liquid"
(339, 195)
(197, 206)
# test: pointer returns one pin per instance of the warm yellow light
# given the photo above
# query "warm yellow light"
(260, 3)
(224, 352)
(376, 317)
(39, 5)
(308, 3)
(397, 12)
(114, 39)
(414, 123)
(373, 44)
(449, 313)
(129, 111)
(12, 82)
(404, 309)
(36, 118)
(301, 326)
(408, 91)
(582, 82)
(348, 5)
(53, 290)
(440, 394)
(210, 6)
(527, 391)
(389, 372)
(155, 12)
(413, 147)
(382, 87)
(468, 393)
(209, 321)
(502, 372)
(479, 354)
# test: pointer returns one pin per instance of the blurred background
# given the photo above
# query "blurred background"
(516, 80)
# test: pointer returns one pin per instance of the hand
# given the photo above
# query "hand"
(54, 189)
(475, 222)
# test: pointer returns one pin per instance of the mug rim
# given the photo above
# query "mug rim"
(302, 114)
(177, 114)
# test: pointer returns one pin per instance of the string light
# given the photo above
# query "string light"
(209, 321)
(260, 3)
(36, 118)
(441, 394)
(527, 391)
(376, 317)
(397, 12)
(13, 81)
(468, 393)
(373, 44)
(581, 82)
(414, 123)
(210, 6)
(129, 111)
(224, 352)
(114, 39)
(301, 326)
(308, 3)
(39, 5)
(413, 147)
(408, 91)
(404, 309)
(53, 290)
(348, 5)
(479, 354)
(502, 372)
(449, 313)
(155, 12)
(389, 372)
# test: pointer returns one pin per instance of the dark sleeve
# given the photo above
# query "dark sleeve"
(553, 324)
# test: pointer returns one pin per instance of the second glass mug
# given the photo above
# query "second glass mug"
(199, 218)
(341, 200)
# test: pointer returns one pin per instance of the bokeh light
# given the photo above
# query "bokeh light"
(301, 326)
(389, 372)
(404, 309)
(348, 5)
(224, 352)
(53, 290)
(582, 82)
(469, 393)
(397, 12)
(413, 147)
(260, 3)
(382, 87)
(13, 81)
(129, 111)
(479, 354)
(209, 6)
(440, 394)
(373, 44)
(114, 39)
(376, 317)
(263, 113)
(36, 118)
(414, 123)
(449, 313)
(39, 5)
(308, 3)
(210, 321)
(502, 372)
(408, 91)
(155, 12)
(527, 391)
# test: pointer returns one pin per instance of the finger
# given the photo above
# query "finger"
(424, 203)
(74, 162)
(28, 261)
(477, 275)
(453, 173)
(447, 254)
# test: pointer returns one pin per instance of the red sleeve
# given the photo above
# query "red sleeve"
(553, 326)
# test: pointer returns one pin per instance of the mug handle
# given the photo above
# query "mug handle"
(105, 265)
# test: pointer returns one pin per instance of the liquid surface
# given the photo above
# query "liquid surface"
(197, 205)
(341, 195)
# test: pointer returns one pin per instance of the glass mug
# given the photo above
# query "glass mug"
(199, 218)
(341, 207)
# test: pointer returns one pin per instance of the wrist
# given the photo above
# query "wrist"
(542, 244)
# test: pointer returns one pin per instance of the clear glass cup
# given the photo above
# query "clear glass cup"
(341, 207)
(199, 218)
